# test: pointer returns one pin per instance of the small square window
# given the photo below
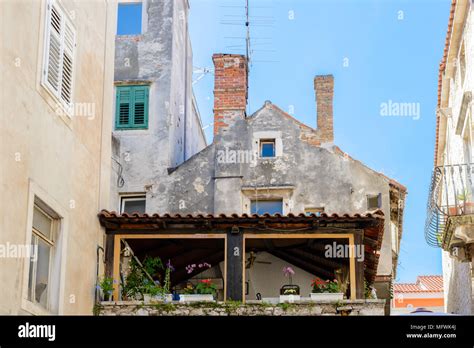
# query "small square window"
(267, 148)
(129, 19)
(268, 206)
(316, 211)
(374, 201)
(135, 204)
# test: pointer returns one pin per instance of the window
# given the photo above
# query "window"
(129, 19)
(267, 148)
(135, 204)
(132, 107)
(268, 206)
(374, 201)
(43, 240)
(58, 69)
(316, 211)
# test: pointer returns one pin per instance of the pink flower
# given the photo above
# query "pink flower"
(288, 271)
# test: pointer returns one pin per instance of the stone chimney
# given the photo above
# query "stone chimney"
(230, 89)
(324, 87)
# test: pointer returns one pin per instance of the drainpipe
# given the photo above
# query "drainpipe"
(97, 272)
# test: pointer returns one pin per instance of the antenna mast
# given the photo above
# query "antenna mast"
(247, 24)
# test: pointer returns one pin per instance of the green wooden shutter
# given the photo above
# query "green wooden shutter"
(123, 109)
(140, 107)
(132, 107)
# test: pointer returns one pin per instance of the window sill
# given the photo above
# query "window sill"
(33, 308)
(56, 105)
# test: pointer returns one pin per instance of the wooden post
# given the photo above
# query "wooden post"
(109, 256)
(359, 269)
(234, 272)
(116, 263)
(352, 267)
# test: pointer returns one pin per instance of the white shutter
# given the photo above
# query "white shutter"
(67, 63)
(59, 56)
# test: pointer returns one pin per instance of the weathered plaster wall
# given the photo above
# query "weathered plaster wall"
(324, 177)
(63, 160)
(162, 57)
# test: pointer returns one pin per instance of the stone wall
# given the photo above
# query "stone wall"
(251, 308)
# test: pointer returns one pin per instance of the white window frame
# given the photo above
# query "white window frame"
(131, 198)
(258, 137)
(37, 194)
(55, 223)
(66, 22)
(268, 194)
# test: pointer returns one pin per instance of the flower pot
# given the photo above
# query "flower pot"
(290, 289)
(468, 208)
(147, 298)
(327, 296)
(196, 298)
(289, 298)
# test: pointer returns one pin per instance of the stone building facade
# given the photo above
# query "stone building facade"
(271, 162)
(160, 128)
(57, 90)
(450, 216)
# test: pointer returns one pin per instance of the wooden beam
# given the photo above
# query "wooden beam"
(316, 258)
(304, 264)
(359, 268)
(235, 267)
(109, 256)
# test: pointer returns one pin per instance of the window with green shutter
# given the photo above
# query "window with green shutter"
(132, 107)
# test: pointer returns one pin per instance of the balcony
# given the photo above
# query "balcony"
(450, 210)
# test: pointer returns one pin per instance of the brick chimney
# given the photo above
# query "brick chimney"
(230, 89)
(324, 87)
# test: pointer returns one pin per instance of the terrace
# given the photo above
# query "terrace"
(245, 255)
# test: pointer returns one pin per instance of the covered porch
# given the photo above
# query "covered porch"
(245, 252)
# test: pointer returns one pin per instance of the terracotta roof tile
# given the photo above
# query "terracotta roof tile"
(432, 283)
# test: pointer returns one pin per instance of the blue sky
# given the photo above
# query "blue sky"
(393, 49)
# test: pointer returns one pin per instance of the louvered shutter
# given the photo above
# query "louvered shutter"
(140, 106)
(53, 56)
(67, 63)
(123, 107)
(59, 58)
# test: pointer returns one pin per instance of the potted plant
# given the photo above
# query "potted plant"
(203, 291)
(466, 205)
(106, 286)
(289, 292)
(325, 290)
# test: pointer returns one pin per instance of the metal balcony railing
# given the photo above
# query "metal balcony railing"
(450, 195)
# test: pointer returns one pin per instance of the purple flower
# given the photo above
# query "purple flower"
(288, 271)
(170, 266)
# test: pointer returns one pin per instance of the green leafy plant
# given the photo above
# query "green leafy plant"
(368, 290)
(135, 281)
(106, 285)
(322, 286)
(205, 287)
(152, 265)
